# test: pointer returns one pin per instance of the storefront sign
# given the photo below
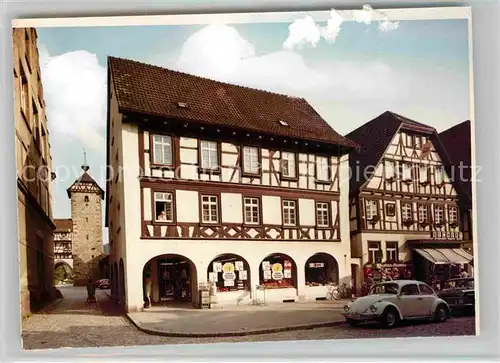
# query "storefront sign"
(228, 267)
(277, 273)
(446, 235)
(242, 274)
(288, 265)
(316, 265)
(217, 267)
(266, 265)
(228, 276)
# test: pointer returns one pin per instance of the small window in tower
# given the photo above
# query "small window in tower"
(86, 199)
(86, 219)
(87, 236)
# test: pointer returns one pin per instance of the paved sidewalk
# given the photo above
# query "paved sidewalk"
(237, 321)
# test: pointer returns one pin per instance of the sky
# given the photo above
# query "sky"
(349, 71)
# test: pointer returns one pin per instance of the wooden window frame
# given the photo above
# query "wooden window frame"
(203, 170)
(390, 209)
(409, 166)
(259, 161)
(328, 179)
(259, 210)
(439, 169)
(394, 247)
(457, 216)
(173, 147)
(426, 208)
(394, 168)
(296, 160)
(435, 214)
(403, 204)
(328, 211)
(153, 206)
(377, 211)
(370, 249)
(219, 209)
(296, 212)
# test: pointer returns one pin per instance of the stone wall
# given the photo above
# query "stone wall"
(87, 236)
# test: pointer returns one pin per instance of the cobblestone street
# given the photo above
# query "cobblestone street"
(74, 324)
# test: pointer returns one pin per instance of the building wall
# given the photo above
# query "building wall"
(87, 236)
(34, 164)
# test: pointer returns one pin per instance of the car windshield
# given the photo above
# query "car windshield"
(384, 289)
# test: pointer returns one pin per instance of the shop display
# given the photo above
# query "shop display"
(238, 266)
(277, 273)
(242, 275)
(229, 275)
(228, 283)
(266, 266)
(217, 267)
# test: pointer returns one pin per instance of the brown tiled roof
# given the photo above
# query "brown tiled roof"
(156, 91)
(85, 178)
(63, 225)
(457, 144)
(373, 139)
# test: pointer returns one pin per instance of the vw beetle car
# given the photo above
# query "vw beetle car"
(393, 301)
(459, 294)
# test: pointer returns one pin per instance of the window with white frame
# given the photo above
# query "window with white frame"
(251, 160)
(439, 172)
(406, 171)
(209, 209)
(406, 211)
(390, 167)
(423, 214)
(323, 214)
(438, 214)
(391, 251)
(373, 252)
(453, 214)
(288, 165)
(251, 206)
(209, 155)
(164, 208)
(289, 213)
(322, 168)
(424, 173)
(162, 149)
(371, 209)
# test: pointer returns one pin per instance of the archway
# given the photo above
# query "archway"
(63, 273)
(321, 269)
(172, 278)
(229, 273)
(278, 271)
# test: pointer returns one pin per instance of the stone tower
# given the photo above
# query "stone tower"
(86, 212)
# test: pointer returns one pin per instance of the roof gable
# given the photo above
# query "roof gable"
(63, 225)
(85, 184)
(157, 91)
(373, 139)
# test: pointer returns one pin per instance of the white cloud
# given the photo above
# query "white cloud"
(302, 31)
(332, 28)
(74, 86)
(364, 15)
(388, 25)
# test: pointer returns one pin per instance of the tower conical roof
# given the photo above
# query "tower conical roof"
(85, 184)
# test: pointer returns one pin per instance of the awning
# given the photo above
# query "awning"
(445, 256)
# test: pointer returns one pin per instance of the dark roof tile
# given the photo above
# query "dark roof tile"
(63, 225)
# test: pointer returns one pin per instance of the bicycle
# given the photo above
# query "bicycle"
(336, 292)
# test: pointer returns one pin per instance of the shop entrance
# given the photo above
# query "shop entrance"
(169, 279)
(321, 269)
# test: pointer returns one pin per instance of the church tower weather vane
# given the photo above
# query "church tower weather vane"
(85, 166)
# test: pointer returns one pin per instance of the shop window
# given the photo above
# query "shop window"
(252, 210)
(391, 251)
(176, 278)
(321, 269)
(162, 150)
(374, 252)
(289, 213)
(371, 209)
(209, 209)
(278, 271)
(209, 155)
(423, 214)
(322, 169)
(288, 165)
(229, 273)
(164, 206)
(251, 160)
(323, 214)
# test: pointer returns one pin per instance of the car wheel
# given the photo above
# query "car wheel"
(336, 295)
(390, 318)
(352, 322)
(441, 314)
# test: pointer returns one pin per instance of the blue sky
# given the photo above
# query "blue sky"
(420, 70)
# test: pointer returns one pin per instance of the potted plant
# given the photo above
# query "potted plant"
(390, 179)
(374, 219)
(408, 222)
(454, 224)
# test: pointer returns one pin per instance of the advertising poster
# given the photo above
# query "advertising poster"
(217, 267)
(287, 274)
(238, 265)
(243, 274)
(228, 283)
(266, 265)
(267, 275)
(277, 271)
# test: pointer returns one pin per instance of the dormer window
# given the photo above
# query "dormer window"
(283, 123)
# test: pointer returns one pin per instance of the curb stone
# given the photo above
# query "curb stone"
(234, 333)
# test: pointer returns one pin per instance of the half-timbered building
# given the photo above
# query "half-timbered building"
(63, 234)
(404, 211)
(215, 183)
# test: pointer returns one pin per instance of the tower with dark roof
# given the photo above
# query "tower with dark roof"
(86, 211)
